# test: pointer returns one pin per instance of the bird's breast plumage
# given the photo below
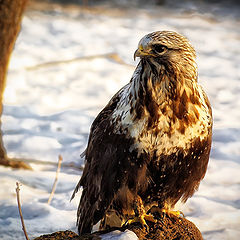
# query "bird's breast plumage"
(168, 129)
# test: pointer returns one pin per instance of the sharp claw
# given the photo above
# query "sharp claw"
(181, 214)
(142, 220)
(150, 218)
(165, 212)
(146, 228)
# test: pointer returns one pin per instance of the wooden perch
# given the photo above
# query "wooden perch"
(166, 228)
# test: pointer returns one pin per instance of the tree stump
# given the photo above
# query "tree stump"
(166, 228)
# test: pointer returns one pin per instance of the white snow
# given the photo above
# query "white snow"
(48, 110)
(117, 235)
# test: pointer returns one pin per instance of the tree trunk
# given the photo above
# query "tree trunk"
(11, 12)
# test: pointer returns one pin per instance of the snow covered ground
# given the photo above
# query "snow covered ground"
(48, 109)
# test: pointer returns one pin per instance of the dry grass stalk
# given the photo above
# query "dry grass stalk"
(56, 178)
(20, 211)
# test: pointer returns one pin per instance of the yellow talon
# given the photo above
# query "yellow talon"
(166, 211)
(142, 220)
(140, 215)
(172, 212)
(150, 218)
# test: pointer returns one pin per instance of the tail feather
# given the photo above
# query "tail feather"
(85, 214)
(75, 190)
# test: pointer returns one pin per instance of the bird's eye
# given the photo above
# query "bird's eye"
(159, 48)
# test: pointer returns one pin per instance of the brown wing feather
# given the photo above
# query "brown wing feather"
(103, 173)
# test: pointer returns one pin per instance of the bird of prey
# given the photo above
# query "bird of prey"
(149, 147)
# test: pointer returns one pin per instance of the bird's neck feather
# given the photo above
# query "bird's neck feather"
(162, 83)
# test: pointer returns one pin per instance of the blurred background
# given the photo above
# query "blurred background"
(69, 60)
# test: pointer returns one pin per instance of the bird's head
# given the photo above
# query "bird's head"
(168, 49)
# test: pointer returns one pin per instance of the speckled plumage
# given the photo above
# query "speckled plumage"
(152, 141)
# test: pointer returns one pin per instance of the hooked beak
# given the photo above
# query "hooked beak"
(136, 54)
(140, 52)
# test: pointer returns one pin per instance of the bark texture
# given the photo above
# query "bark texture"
(10, 22)
(166, 228)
